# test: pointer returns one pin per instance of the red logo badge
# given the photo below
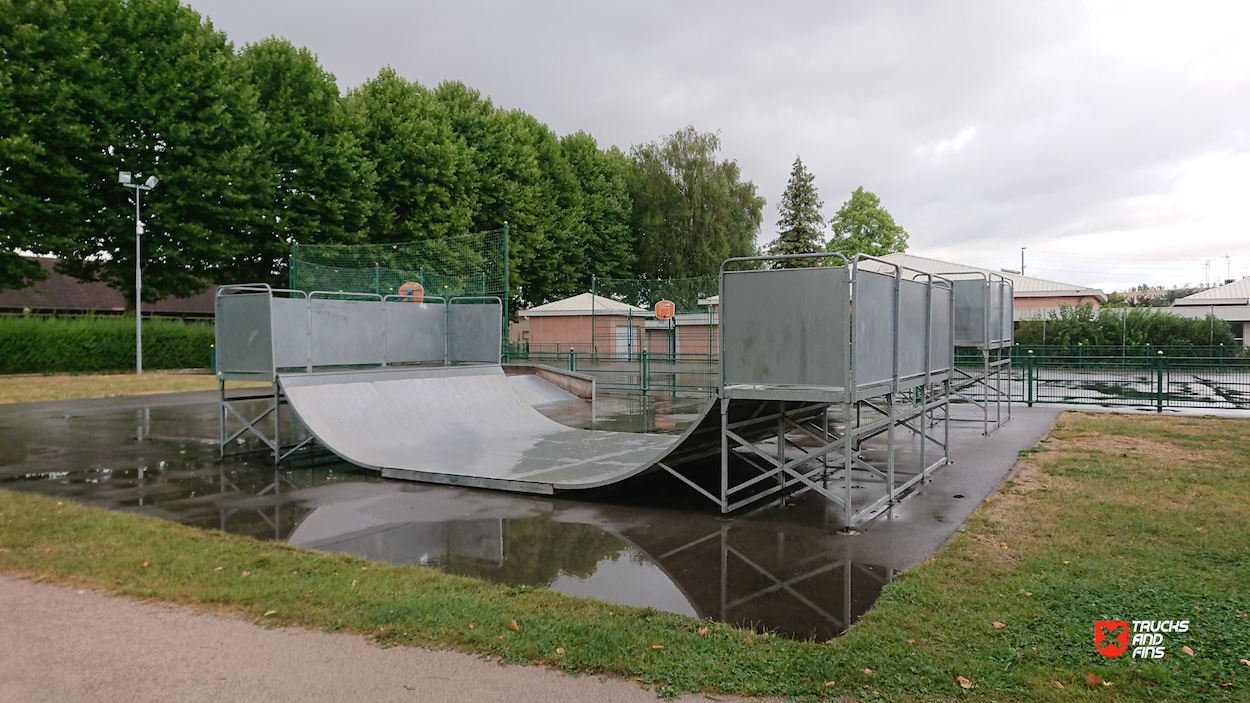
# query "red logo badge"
(1111, 637)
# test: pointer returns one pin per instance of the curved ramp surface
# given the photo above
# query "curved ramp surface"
(468, 426)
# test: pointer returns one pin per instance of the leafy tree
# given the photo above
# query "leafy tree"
(603, 178)
(321, 184)
(801, 227)
(861, 225)
(163, 97)
(425, 171)
(52, 85)
(691, 212)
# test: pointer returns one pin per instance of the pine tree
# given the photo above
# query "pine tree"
(801, 227)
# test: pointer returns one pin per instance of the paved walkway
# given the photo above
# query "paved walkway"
(62, 644)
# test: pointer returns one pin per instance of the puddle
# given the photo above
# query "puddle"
(652, 543)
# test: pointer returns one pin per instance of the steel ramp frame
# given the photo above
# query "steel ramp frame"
(229, 407)
(983, 388)
(833, 469)
(824, 469)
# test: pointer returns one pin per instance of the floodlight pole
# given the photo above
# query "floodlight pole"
(124, 178)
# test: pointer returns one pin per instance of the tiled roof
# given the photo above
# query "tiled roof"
(61, 293)
(1235, 293)
(584, 304)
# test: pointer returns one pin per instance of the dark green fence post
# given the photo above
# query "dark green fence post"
(1159, 382)
(572, 359)
(644, 369)
(1028, 384)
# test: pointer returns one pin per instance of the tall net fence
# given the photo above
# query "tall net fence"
(469, 264)
(692, 331)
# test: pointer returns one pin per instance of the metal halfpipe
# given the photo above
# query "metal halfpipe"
(469, 426)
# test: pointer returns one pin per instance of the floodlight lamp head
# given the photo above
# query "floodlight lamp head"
(123, 177)
(151, 182)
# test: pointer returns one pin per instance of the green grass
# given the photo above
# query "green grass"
(1103, 523)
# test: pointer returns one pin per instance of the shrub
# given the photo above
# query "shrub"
(90, 343)
(1131, 326)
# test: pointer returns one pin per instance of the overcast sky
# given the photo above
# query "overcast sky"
(1110, 139)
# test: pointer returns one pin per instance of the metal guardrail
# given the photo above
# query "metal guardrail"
(1157, 382)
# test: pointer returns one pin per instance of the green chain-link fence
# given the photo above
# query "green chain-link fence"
(469, 264)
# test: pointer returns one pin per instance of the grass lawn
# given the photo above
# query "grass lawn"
(1114, 517)
(35, 387)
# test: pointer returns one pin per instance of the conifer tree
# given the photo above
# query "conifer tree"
(801, 227)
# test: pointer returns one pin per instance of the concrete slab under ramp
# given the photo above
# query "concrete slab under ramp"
(470, 426)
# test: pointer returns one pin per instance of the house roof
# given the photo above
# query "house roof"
(585, 304)
(61, 293)
(1235, 293)
(1023, 286)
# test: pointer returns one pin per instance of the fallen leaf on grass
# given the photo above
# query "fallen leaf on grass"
(963, 683)
(999, 625)
(472, 625)
(1107, 683)
(658, 646)
(1188, 651)
(1057, 684)
(513, 626)
(1067, 562)
(868, 672)
(354, 583)
(831, 684)
(702, 631)
(1092, 679)
(218, 568)
(1203, 530)
(246, 573)
(270, 612)
(1003, 545)
(1245, 661)
(911, 641)
(559, 650)
(48, 550)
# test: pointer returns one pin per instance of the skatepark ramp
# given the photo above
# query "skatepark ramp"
(815, 361)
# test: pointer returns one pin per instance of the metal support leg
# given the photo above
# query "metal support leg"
(724, 455)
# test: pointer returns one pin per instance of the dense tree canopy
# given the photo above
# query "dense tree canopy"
(321, 185)
(862, 226)
(801, 228)
(257, 149)
(691, 212)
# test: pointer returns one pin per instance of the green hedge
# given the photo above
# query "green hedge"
(89, 343)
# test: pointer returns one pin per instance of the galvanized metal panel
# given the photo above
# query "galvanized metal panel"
(290, 332)
(873, 346)
(462, 425)
(244, 339)
(996, 312)
(415, 332)
(346, 332)
(971, 300)
(913, 321)
(1007, 320)
(786, 326)
(474, 332)
(941, 351)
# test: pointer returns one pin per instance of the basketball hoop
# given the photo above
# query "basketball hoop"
(415, 291)
(665, 309)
